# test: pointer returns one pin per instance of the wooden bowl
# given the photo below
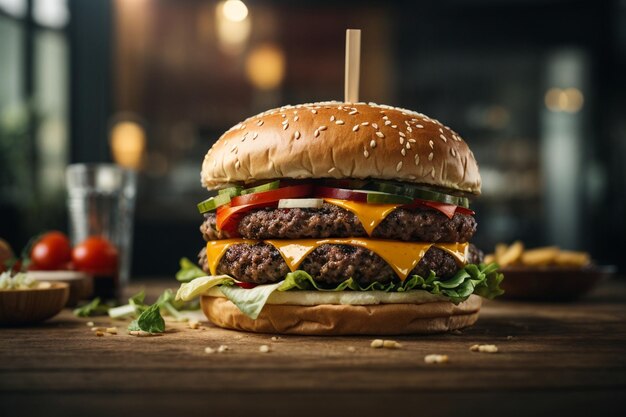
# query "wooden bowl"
(551, 283)
(32, 305)
(81, 284)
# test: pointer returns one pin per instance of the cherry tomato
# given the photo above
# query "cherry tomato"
(52, 251)
(95, 255)
(6, 254)
(341, 194)
(296, 191)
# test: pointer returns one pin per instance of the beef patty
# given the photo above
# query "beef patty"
(419, 225)
(328, 264)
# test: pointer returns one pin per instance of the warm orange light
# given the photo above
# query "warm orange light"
(128, 142)
(568, 100)
(265, 66)
(233, 26)
(234, 10)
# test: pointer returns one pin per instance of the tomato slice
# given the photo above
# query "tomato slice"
(447, 209)
(246, 285)
(340, 194)
(464, 210)
(228, 217)
(295, 191)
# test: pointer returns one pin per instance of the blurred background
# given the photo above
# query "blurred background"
(537, 89)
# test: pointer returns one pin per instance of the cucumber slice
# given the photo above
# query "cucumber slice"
(231, 191)
(212, 203)
(415, 191)
(384, 198)
(262, 188)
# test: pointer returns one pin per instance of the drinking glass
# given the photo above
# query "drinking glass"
(101, 201)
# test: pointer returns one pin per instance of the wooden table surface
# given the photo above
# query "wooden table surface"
(553, 359)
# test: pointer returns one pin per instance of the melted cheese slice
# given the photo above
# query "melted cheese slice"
(215, 249)
(401, 256)
(370, 215)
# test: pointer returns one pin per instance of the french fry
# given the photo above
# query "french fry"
(540, 256)
(572, 258)
(549, 255)
(511, 255)
(500, 249)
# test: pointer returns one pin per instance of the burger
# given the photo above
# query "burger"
(340, 218)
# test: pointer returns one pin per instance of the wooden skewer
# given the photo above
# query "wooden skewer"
(353, 64)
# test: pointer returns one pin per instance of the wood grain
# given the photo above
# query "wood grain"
(564, 357)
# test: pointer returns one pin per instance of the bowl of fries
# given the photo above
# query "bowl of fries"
(547, 273)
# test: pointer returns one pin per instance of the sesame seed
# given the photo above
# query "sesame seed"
(432, 144)
(283, 115)
(408, 145)
(374, 125)
(285, 126)
(406, 122)
(331, 170)
(401, 141)
(394, 126)
(285, 122)
(242, 127)
(408, 129)
(380, 134)
(403, 152)
(443, 138)
(399, 166)
(430, 156)
(402, 134)
(366, 153)
(295, 119)
(365, 123)
(355, 128)
(322, 128)
(387, 122)
(417, 159)
(237, 164)
(419, 126)
(316, 133)
(260, 123)
(296, 135)
(313, 111)
(339, 122)
(254, 135)
(353, 112)
(340, 108)
(453, 152)
(373, 143)
(412, 140)
(332, 118)
(234, 148)
(432, 173)
(385, 117)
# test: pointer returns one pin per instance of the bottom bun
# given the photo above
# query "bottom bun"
(332, 319)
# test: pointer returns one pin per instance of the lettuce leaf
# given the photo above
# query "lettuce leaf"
(149, 321)
(483, 280)
(250, 300)
(199, 286)
(188, 271)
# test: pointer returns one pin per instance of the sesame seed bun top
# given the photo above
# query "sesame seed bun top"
(342, 140)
